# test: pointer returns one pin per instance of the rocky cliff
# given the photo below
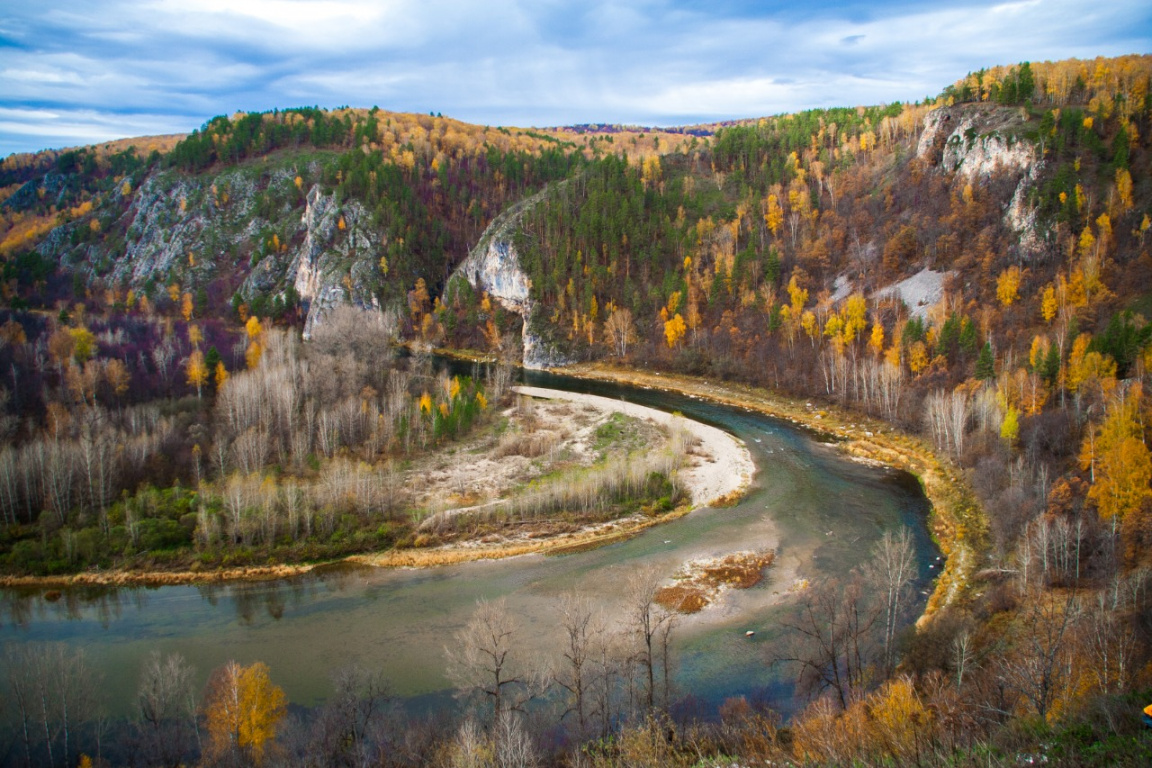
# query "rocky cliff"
(977, 141)
(253, 232)
(493, 266)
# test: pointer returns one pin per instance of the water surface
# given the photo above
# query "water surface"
(821, 511)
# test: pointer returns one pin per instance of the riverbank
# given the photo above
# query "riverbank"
(719, 469)
(957, 521)
(573, 429)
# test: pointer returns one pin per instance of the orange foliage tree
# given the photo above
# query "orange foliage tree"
(242, 709)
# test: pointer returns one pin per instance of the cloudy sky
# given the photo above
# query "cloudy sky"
(81, 71)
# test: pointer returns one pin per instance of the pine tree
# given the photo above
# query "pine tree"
(986, 363)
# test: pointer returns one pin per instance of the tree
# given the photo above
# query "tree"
(1037, 667)
(583, 635)
(1120, 463)
(773, 215)
(242, 709)
(674, 330)
(832, 638)
(892, 569)
(1008, 286)
(166, 709)
(347, 729)
(986, 363)
(651, 625)
(621, 330)
(197, 371)
(484, 659)
(53, 691)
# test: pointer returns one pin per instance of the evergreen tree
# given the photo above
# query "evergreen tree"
(986, 363)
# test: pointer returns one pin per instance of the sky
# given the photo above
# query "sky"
(83, 71)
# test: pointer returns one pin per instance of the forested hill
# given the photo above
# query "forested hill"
(974, 269)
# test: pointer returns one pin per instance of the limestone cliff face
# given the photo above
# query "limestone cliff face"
(333, 266)
(975, 141)
(494, 266)
(191, 229)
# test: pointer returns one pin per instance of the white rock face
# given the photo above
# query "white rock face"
(919, 293)
(975, 142)
(494, 266)
(978, 157)
(328, 270)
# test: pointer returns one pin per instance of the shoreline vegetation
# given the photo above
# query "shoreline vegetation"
(713, 469)
(956, 520)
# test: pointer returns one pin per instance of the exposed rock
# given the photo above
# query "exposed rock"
(494, 266)
(334, 266)
(976, 141)
(919, 293)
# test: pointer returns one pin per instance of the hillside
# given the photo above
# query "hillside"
(974, 270)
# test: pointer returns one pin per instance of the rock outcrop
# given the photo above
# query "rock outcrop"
(976, 141)
(337, 263)
(494, 266)
(191, 229)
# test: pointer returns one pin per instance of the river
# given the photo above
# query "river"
(821, 511)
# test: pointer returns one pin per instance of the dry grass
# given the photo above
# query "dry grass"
(699, 583)
(156, 578)
(530, 445)
(683, 599)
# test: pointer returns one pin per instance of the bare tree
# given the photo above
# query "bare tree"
(347, 728)
(1038, 667)
(891, 569)
(167, 709)
(621, 330)
(484, 659)
(651, 625)
(833, 638)
(583, 633)
(54, 691)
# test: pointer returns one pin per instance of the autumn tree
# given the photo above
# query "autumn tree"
(197, 371)
(1120, 464)
(242, 709)
(621, 330)
(1008, 286)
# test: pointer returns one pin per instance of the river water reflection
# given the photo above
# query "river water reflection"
(821, 511)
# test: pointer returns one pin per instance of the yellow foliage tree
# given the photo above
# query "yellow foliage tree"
(773, 215)
(1010, 427)
(853, 317)
(242, 709)
(1123, 190)
(1120, 462)
(1008, 286)
(917, 357)
(877, 339)
(1048, 304)
(197, 371)
(252, 354)
(674, 330)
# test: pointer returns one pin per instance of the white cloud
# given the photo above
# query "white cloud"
(532, 62)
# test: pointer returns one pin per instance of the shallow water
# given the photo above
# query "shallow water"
(821, 511)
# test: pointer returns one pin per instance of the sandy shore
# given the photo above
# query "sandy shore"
(957, 522)
(721, 467)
